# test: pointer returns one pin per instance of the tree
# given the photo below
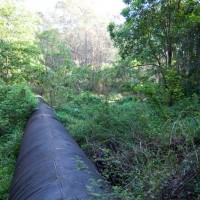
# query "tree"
(163, 34)
(19, 54)
(86, 34)
(55, 50)
(57, 62)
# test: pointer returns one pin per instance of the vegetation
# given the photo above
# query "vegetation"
(137, 118)
(142, 147)
(16, 103)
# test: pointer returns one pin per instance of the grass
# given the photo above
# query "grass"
(9, 149)
(16, 104)
(144, 151)
(134, 146)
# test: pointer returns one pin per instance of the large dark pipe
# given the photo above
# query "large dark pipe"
(51, 166)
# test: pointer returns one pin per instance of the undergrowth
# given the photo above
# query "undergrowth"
(141, 151)
(143, 147)
(9, 149)
(16, 104)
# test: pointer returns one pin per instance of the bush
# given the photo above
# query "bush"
(16, 103)
(135, 145)
(9, 149)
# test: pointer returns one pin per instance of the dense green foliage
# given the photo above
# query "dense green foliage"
(9, 149)
(54, 49)
(163, 35)
(19, 65)
(19, 54)
(138, 120)
(141, 147)
(16, 104)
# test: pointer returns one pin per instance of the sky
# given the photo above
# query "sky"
(101, 7)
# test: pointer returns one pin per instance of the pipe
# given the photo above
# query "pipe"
(51, 165)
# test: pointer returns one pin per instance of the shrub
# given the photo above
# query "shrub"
(135, 145)
(9, 148)
(16, 103)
